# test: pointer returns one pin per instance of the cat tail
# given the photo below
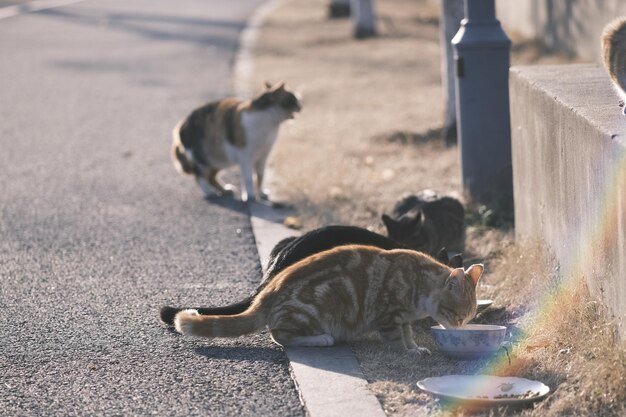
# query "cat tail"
(183, 161)
(189, 322)
(168, 313)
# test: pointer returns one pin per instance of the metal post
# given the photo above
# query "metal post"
(450, 16)
(481, 53)
(364, 18)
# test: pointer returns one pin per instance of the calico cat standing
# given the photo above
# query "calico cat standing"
(341, 293)
(232, 132)
(614, 55)
(427, 222)
(294, 249)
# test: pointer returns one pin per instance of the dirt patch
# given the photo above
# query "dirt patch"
(365, 135)
(370, 131)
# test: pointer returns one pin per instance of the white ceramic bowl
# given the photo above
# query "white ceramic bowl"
(470, 342)
(485, 389)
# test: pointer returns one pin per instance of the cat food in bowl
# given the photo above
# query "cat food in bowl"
(472, 341)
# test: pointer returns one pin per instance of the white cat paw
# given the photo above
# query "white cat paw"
(183, 321)
(229, 190)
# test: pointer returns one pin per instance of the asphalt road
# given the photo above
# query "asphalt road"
(97, 230)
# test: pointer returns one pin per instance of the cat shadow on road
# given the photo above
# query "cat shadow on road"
(227, 202)
(272, 211)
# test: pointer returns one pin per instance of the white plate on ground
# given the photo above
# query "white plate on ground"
(485, 389)
(483, 304)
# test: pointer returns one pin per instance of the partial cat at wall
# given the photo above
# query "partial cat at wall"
(614, 55)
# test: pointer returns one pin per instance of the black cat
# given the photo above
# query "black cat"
(293, 249)
(427, 222)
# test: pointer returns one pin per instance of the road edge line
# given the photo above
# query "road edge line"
(243, 66)
(33, 6)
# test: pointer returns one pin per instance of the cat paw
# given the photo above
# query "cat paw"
(419, 351)
(248, 198)
(184, 320)
(229, 190)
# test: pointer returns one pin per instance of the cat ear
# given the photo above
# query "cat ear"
(456, 261)
(456, 277)
(276, 87)
(442, 256)
(475, 272)
(279, 86)
(388, 221)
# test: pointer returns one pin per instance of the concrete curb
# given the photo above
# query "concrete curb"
(243, 66)
(329, 380)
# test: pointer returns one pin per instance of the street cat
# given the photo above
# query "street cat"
(339, 294)
(614, 55)
(231, 132)
(427, 222)
(293, 249)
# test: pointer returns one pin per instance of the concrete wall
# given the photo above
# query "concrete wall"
(569, 169)
(573, 26)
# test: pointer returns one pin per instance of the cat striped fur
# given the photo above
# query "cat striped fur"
(339, 294)
(293, 249)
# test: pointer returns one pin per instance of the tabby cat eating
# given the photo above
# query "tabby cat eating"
(231, 132)
(293, 249)
(339, 294)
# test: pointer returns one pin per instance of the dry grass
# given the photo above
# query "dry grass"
(370, 131)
